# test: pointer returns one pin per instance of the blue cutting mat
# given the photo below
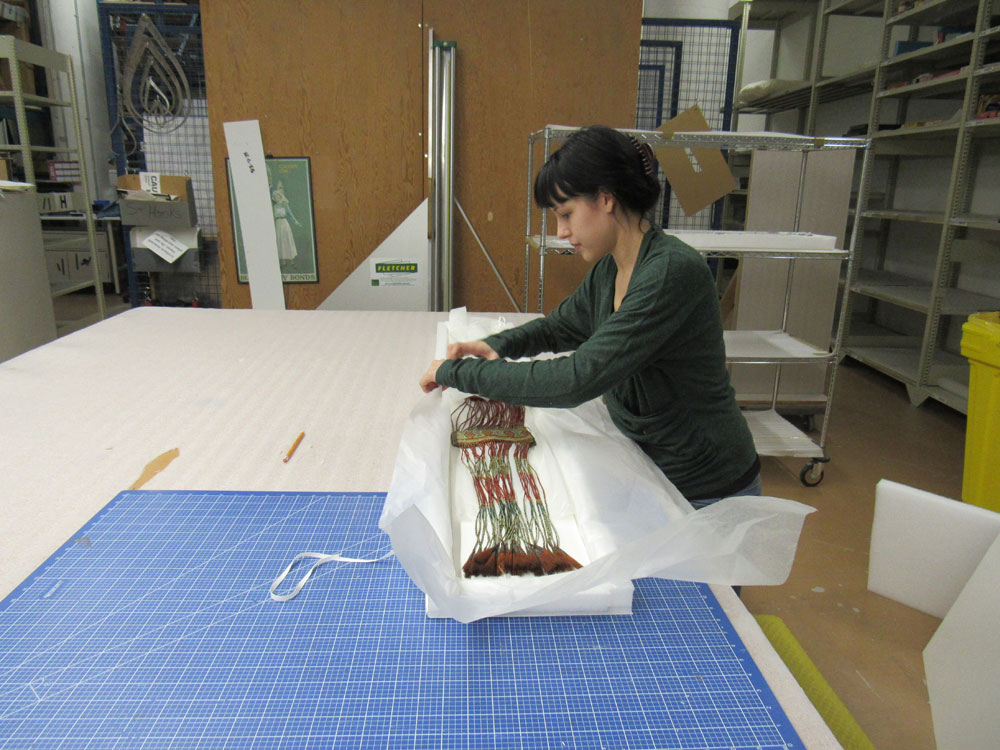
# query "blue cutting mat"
(153, 628)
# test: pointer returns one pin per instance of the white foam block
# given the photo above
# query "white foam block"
(605, 599)
(962, 663)
(924, 546)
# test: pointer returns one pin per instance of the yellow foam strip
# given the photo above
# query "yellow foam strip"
(847, 731)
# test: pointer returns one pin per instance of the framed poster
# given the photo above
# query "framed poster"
(289, 181)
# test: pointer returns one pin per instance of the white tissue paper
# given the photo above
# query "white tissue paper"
(615, 512)
(461, 326)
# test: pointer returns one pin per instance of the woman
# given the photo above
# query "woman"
(644, 327)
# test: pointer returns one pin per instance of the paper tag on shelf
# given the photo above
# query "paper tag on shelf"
(165, 245)
(149, 181)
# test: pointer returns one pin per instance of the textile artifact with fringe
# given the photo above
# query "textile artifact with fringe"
(511, 537)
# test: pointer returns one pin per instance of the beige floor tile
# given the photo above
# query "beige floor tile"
(868, 647)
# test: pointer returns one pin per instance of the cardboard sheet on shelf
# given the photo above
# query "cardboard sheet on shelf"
(695, 187)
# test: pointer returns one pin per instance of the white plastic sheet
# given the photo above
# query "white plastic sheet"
(461, 326)
(615, 511)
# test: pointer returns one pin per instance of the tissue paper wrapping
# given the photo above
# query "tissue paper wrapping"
(615, 510)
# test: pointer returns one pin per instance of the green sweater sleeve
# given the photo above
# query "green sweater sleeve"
(659, 300)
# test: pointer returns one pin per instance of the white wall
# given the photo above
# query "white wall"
(851, 44)
(70, 27)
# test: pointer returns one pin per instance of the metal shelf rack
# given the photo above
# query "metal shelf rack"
(773, 435)
(16, 51)
(959, 69)
(815, 89)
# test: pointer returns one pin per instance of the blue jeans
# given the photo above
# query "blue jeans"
(754, 488)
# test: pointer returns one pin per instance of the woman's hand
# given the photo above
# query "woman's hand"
(429, 380)
(475, 348)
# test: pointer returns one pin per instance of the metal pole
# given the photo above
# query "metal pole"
(527, 221)
(544, 228)
(20, 114)
(489, 258)
(430, 103)
(431, 226)
(88, 207)
(740, 57)
(441, 169)
(434, 148)
(448, 199)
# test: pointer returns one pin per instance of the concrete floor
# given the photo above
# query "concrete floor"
(869, 648)
(79, 310)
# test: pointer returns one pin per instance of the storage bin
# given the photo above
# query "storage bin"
(981, 345)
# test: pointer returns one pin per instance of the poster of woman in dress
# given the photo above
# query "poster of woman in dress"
(282, 229)
(290, 185)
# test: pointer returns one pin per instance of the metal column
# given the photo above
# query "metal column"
(441, 167)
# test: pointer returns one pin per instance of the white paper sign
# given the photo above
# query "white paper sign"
(166, 245)
(149, 181)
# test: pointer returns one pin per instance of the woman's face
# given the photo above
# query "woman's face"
(588, 224)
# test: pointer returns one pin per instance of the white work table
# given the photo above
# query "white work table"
(230, 390)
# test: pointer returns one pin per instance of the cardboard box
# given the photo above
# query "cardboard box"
(146, 261)
(160, 213)
(54, 203)
(74, 240)
(66, 264)
(13, 10)
(78, 266)
(58, 268)
(64, 171)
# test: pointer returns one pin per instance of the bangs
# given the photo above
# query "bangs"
(551, 186)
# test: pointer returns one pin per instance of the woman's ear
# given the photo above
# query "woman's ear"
(606, 202)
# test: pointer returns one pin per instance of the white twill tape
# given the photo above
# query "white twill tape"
(321, 559)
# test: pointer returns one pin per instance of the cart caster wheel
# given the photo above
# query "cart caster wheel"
(811, 474)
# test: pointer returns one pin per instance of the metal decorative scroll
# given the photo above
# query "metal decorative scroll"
(512, 537)
(161, 97)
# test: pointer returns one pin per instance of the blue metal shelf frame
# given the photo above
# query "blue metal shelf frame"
(117, 22)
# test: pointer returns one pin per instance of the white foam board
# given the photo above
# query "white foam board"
(962, 663)
(924, 546)
(606, 599)
(253, 197)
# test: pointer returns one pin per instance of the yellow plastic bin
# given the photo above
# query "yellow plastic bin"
(981, 345)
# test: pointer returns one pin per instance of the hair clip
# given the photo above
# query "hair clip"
(647, 156)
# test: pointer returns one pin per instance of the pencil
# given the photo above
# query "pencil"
(294, 446)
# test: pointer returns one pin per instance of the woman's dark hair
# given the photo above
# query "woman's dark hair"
(600, 159)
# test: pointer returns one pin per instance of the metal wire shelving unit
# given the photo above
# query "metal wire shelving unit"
(773, 435)
(15, 52)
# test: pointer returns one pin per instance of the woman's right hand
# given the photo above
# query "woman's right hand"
(474, 348)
